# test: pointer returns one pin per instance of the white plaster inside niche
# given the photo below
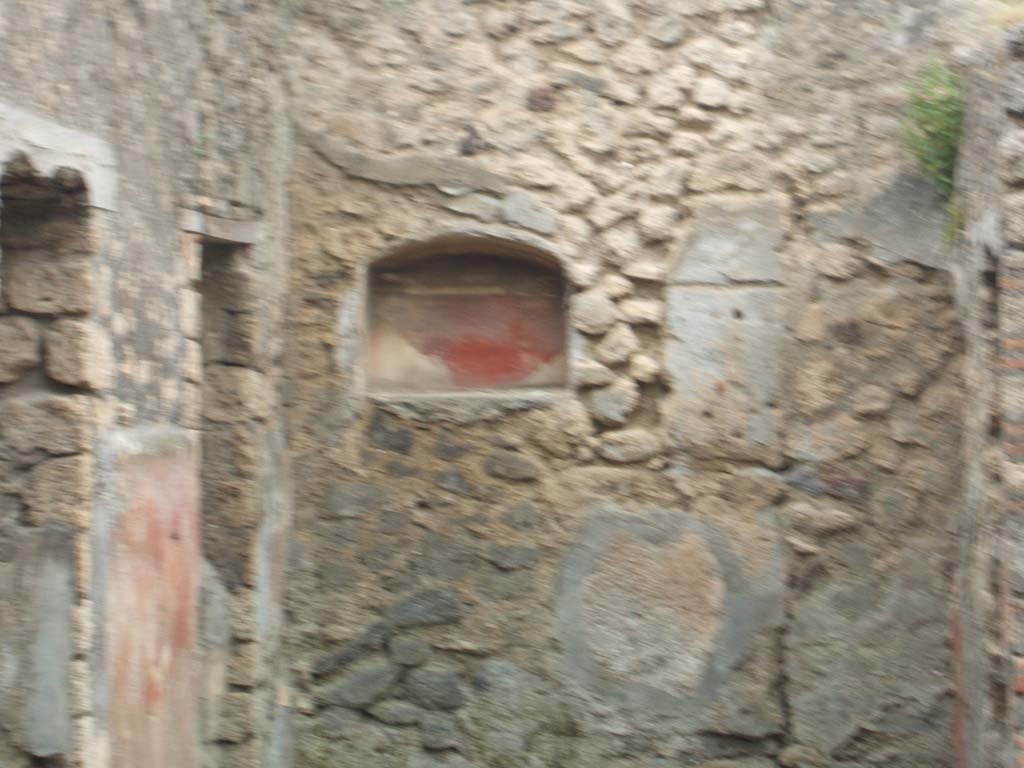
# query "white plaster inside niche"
(49, 146)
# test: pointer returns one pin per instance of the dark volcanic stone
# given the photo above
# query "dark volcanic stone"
(372, 640)
(509, 557)
(435, 606)
(508, 465)
(439, 731)
(452, 481)
(436, 688)
(349, 498)
(384, 434)
(410, 651)
(449, 450)
(363, 684)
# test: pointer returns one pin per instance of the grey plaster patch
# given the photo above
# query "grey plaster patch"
(734, 239)
(906, 221)
(47, 713)
(851, 660)
(655, 686)
(49, 146)
(725, 353)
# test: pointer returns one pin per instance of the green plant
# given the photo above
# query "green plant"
(934, 117)
(956, 219)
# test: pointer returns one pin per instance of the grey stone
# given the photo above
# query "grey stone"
(615, 403)
(903, 222)
(510, 557)
(436, 606)
(396, 712)
(410, 651)
(453, 481)
(410, 170)
(521, 517)
(617, 345)
(522, 210)
(350, 498)
(436, 688)
(439, 732)
(506, 585)
(1013, 93)
(734, 240)
(508, 465)
(482, 207)
(590, 373)
(668, 33)
(372, 640)
(432, 760)
(362, 684)
(627, 446)
(337, 724)
(384, 434)
(593, 312)
(448, 449)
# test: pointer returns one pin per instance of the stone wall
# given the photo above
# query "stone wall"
(731, 538)
(134, 111)
(989, 267)
(736, 538)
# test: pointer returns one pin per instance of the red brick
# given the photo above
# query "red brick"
(1011, 283)
(1012, 363)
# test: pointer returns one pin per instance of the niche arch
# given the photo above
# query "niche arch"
(464, 313)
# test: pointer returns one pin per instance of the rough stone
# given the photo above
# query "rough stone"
(508, 465)
(617, 345)
(521, 210)
(55, 424)
(615, 403)
(353, 499)
(43, 284)
(415, 170)
(628, 446)
(232, 393)
(511, 557)
(593, 312)
(436, 688)
(643, 311)
(872, 400)
(440, 732)
(61, 491)
(369, 642)
(821, 521)
(362, 685)
(644, 368)
(79, 353)
(385, 433)
(590, 373)
(482, 207)
(436, 606)
(396, 712)
(19, 347)
(656, 223)
(410, 651)
(712, 93)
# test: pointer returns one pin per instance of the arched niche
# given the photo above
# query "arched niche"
(466, 313)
